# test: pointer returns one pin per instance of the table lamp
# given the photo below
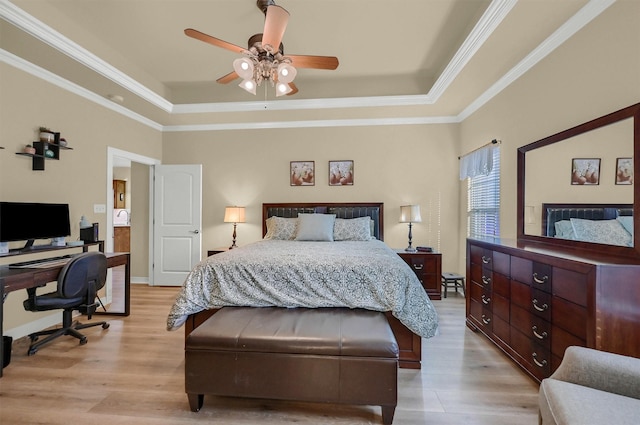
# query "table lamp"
(410, 214)
(234, 215)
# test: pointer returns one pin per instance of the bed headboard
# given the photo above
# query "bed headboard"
(374, 210)
(552, 213)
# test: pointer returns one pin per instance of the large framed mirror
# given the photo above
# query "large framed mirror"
(576, 188)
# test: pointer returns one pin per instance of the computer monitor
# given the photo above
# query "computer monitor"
(28, 221)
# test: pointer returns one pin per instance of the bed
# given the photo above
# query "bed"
(610, 224)
(348, 272)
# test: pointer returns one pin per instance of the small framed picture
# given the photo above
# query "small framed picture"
(624, 171)
(302, 173)
(585, 171)
(340, 173)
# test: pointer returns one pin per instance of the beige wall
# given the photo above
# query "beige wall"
(396, 165)
(79, 177)
(595, 72)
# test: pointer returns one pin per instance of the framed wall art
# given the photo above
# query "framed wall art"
(624, 171)
(585, 171)
(340, 173)
(302, 173)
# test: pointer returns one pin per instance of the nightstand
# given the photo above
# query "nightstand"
(428, 267)
(216, 251)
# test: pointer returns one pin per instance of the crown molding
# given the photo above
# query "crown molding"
(48, 76)
(585, 15)
(495, 13)
(43, 32)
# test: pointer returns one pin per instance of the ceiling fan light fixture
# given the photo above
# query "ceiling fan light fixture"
(282, 89)
(244, 68)
(286, 72)
(248, 85)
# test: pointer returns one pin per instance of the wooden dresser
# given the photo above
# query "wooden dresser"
(534, 303)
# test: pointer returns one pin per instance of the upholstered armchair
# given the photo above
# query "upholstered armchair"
(591, 387)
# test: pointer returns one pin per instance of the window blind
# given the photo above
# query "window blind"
(483, 201)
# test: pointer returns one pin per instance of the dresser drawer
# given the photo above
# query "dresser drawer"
(570, 285)
(537, 329)
(521, 269)
(482, 256)
(536, 357)
(420, 263)
(541, 277)
(570, 317)
(481, 315)
(541, 304)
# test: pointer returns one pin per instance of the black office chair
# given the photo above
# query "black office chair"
(78, 283)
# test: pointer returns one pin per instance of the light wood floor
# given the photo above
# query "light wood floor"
(132, 374)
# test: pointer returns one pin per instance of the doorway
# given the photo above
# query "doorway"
(141, 200)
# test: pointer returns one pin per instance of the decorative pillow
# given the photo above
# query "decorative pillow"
(627, 223)
(564, 230)
(281, 228)
(352, 229)
(601, 231)
(315, 227)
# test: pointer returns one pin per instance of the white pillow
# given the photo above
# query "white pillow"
(281, 228)
(627, 223)
(352, 229)
(315, 227)
(564, 230)
(601, 231)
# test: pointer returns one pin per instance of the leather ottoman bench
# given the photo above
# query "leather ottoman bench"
(329, 355)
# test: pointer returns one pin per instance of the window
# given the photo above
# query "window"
(483, 201)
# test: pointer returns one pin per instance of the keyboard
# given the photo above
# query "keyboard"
(42, 263)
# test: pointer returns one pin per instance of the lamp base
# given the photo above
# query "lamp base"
(410, 249)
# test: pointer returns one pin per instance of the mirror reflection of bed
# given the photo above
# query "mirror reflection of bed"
(610, 224)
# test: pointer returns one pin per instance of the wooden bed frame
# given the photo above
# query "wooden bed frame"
(409, 343)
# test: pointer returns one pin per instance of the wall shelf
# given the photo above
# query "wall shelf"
(41, 148)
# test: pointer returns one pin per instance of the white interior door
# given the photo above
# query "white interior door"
(177, 244)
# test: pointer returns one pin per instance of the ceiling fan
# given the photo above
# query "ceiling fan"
(264, 59)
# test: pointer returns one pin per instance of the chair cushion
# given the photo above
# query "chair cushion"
(51, 301)
(564, 403)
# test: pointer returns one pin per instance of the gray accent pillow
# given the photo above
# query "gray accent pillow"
(315, 227)
(281, 228)
(353, 229)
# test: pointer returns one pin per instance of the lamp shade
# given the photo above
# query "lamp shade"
(244, 68)
(410, 214)
(234, 215)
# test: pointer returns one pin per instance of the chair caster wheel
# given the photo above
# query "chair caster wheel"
(105, 326)
(83, 341)
(32, 351)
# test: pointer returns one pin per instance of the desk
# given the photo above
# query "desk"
(16, 279)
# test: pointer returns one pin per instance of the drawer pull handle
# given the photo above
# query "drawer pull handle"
(544, 306)
(543, 335)
(540, 281)
(486, 280)
(418, 266)
(486, 320)
(485, 299)
(543, 363)
(486, 260)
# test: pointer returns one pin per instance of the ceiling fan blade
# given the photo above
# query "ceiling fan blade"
(226, 79)
(294, 89)
(212, 40)
(275, 22)
(316, 62)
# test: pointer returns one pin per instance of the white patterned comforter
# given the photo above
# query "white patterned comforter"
(308, 274)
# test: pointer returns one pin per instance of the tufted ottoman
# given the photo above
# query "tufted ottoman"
(329, 355)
